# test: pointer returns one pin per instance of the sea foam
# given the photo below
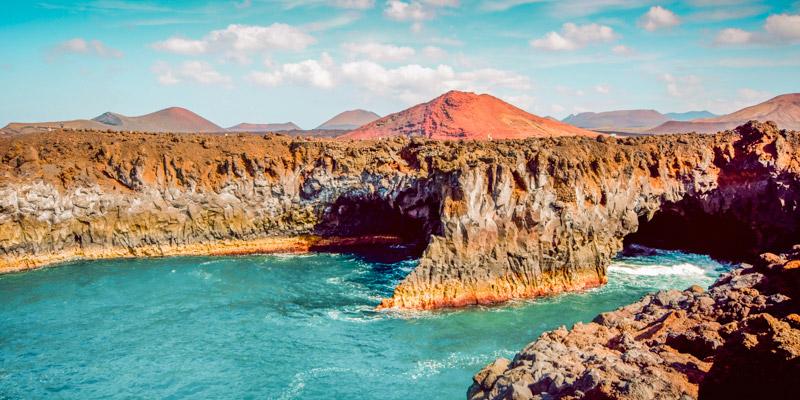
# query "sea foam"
(682, 269)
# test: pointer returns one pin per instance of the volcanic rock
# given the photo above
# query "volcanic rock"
(737, 340)
(495, 220)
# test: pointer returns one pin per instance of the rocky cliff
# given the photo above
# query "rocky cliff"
(496, 220)
(738, 340)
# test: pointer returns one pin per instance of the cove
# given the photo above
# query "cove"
(279, 327)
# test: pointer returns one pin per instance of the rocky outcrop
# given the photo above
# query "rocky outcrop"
(739, 339)
(496, 220)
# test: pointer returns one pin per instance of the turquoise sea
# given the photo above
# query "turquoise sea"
(274, 327)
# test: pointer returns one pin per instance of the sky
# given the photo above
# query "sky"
(304, 61)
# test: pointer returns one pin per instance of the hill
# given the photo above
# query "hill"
(349, 120)
(689, 115)
(462, 115)
(277, 127)
(621, 119)
(173, 119)
(784, 110)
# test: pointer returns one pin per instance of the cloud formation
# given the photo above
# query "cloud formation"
(194, 71)
(658, 18)
(410, 83)
(316, 73)
(82, 46)
(378, 51)
(778, 29)
(354, 4)
(573, 37)
(237, 41)
(682, 86)
(415, 11)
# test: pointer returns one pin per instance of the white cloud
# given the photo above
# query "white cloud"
(682, 86)
(415, 11)
(317, 73)
(502, 5)
(379, 51)
(602, 89)
(411, 11)
(332, 23)
(622, 50)
(182, 46)
(239, 40)
(83, 47)
(414, 83)
(658, 17)
(778, 29)
(574, 36)
(354, 4)
(195, 71)
(733, 36)
(784, 27)
(434, 53)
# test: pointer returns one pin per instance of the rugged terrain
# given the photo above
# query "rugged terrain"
(738, 340)
(784, 110)
(460, 115)
(495, 220)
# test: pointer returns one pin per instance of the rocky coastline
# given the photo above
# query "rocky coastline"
(738, 340)
(495, 220)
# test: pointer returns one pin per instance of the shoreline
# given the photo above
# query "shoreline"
(271, 245)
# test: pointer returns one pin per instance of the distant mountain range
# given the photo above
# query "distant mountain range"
(629, 120)
(454, 115)
(622, 119)
(349, 120)
(173, 119)
(247, 127)
(689, 115)
(784, 110)
(181, 120)
(462, 115)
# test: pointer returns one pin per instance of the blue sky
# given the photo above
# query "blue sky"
(306, 60)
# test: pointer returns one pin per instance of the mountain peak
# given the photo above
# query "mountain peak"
(465, 115)
(784, 110)
(349, 120)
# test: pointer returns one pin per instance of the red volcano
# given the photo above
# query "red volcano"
(460, 115)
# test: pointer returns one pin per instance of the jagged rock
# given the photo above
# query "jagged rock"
(740, 339)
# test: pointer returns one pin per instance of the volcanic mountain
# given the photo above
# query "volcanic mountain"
(689, 115)
(621, 119)
(277, 127)
(784, 110)
(350, 120)
(461, 115)
(173, 119)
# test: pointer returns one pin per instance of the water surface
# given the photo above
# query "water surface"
(279, 327)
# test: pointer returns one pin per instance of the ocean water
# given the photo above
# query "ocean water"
(275, 327)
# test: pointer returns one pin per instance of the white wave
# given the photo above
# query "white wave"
(682, 269)
(428, 368)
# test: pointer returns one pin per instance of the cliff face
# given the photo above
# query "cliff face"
(497, 220)
(738, 340)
